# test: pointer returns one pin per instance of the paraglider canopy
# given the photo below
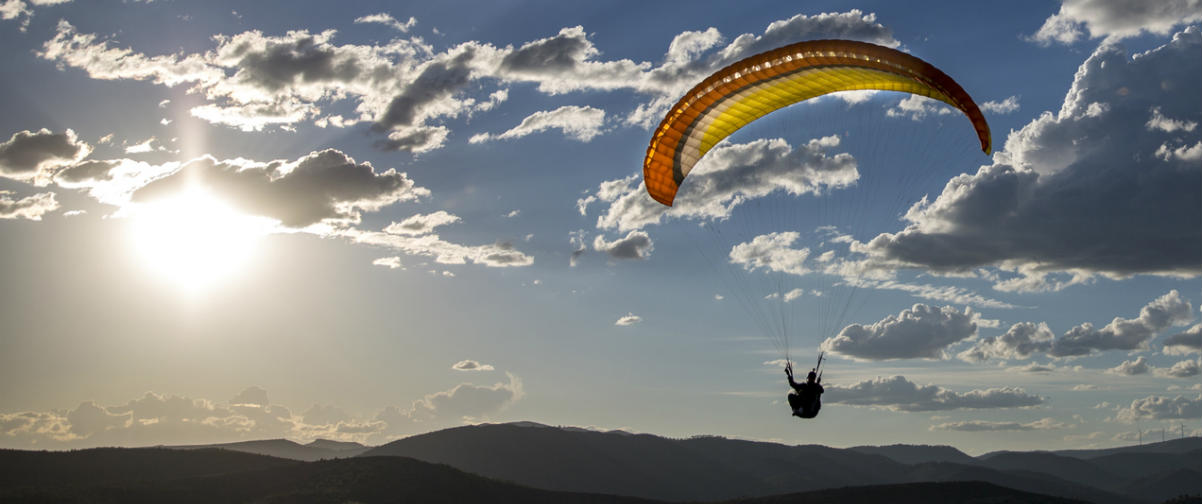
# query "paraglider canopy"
(752, 87)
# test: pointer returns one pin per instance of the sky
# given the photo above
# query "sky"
(223, 221)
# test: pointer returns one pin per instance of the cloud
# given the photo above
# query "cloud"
(577, 123)
(500, 254)
(1025, 339)
(899, 394)
(420, 224)
(145, 146)
(726, 177)
(628, 320)
(23, 11)
(162, 419)
(579, 246)
(253, 396)
(917, 107)
(1129, 368)
(28, 428)
(1161, 408)
(464, 402)
(322, 186)
(34, 156)
(150, 420)
(421, 99)
(771, 252)
(393, 262)
(321, 414)
(918, 332)
(1159, 122)
(252, 81)
(471, 365)
(387, 20)
(1019, 342)
(1115, 19)
(1034, 368)
(1064, 202)
(1186, 342)
(1125, 334)
(30, 207)
(636, 245)
(1182, 369)
(981, 425)
(1010, 104)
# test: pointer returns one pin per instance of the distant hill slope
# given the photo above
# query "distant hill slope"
(1027, 481)
(1066, 468)
(703, 468)
(283, 448)
(961, 492)
(1181, 445)
(123, 465)
(917, 454)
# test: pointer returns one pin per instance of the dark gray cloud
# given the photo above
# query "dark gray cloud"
(34, 156)
(550, 55)
(635, 245)
(1067, 195)
(325, 185)
(30, 207)
(87, 171)
(918, 332)
(438, 80)
(899, 394)
(282, 63)
(1188, 341)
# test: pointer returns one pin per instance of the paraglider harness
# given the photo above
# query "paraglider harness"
(806, 398)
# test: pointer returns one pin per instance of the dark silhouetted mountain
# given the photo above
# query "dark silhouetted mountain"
(1142, 465)
(338, 446)
(283, 448)
(586, 461)
(205, 476)
(1166, 485)
(1026, 481)
(365, 480)
(702, 468)
(123, 465)
(1063, 467)
(1180, 445)
(917, 454)
(960, 492)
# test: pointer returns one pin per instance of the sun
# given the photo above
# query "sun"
(194, 240)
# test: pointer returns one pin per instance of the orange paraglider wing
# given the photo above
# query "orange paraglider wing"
(752, 87)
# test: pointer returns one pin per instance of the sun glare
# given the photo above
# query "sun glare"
(194, 240)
